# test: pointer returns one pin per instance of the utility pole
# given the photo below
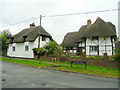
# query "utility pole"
(39, 32)
(40, 19)
(39, 36)
(119, 20)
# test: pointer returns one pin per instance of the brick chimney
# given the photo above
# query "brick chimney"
(89, 22)
(32, 25)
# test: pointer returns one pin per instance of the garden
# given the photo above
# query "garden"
(66, 67)
(51, 57)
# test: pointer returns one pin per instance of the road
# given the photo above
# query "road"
(20, 76)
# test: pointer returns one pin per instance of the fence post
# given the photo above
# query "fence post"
(58, 56)
(105, 56)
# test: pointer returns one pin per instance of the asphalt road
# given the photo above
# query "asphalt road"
(20, 76)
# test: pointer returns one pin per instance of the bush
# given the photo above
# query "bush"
(116, 57)
(75, 56)
(96, 57)
(38, 51)
(62, 58)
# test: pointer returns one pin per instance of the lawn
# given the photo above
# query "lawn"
(94, 70)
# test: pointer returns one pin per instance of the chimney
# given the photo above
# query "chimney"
(89, 22)
(32, 25)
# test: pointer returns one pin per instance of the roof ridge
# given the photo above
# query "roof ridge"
(73, 32)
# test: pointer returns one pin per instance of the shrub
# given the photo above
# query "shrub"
(91, 57)
(38, 51)
(116, 57)
(35, 51)
(96, 57)
(75, 56)
(62, 58)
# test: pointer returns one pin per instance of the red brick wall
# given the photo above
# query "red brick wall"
(104, 63)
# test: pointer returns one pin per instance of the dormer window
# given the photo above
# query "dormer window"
(25, 38)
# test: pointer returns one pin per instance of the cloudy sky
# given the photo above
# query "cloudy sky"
(15, 11)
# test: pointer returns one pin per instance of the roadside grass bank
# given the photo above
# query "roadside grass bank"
(94, 70)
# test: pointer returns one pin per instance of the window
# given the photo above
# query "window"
(26, 48)
(25, 38)
(93, 48)
(13, 48)
(43, 38)
(95, 38)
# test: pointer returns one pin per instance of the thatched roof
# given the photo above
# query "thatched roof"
(30, 34)
(69, 39)
(98, 28)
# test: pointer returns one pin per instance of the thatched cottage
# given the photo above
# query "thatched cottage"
(93, 39)
(21, 44)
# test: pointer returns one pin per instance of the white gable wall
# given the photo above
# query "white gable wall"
(42, 43)
(101, 43)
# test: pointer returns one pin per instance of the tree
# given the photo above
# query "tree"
(52, 47)
(4, 36)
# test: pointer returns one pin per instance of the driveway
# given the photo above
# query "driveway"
(20, 76)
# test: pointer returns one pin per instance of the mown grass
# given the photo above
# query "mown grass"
(94, 70)
(27, 62)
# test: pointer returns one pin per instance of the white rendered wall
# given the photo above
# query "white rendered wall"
(20, 48)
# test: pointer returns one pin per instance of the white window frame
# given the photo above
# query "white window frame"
(13, 48)
(26, 48)
(93, 48)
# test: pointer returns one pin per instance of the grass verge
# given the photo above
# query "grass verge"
(94, 70)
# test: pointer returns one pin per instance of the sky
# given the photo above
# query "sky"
(15, 11)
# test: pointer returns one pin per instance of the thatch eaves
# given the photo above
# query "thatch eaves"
(30, 34)
(70, 39)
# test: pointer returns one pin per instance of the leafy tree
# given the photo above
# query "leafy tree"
(4, 36)
(52, 47)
